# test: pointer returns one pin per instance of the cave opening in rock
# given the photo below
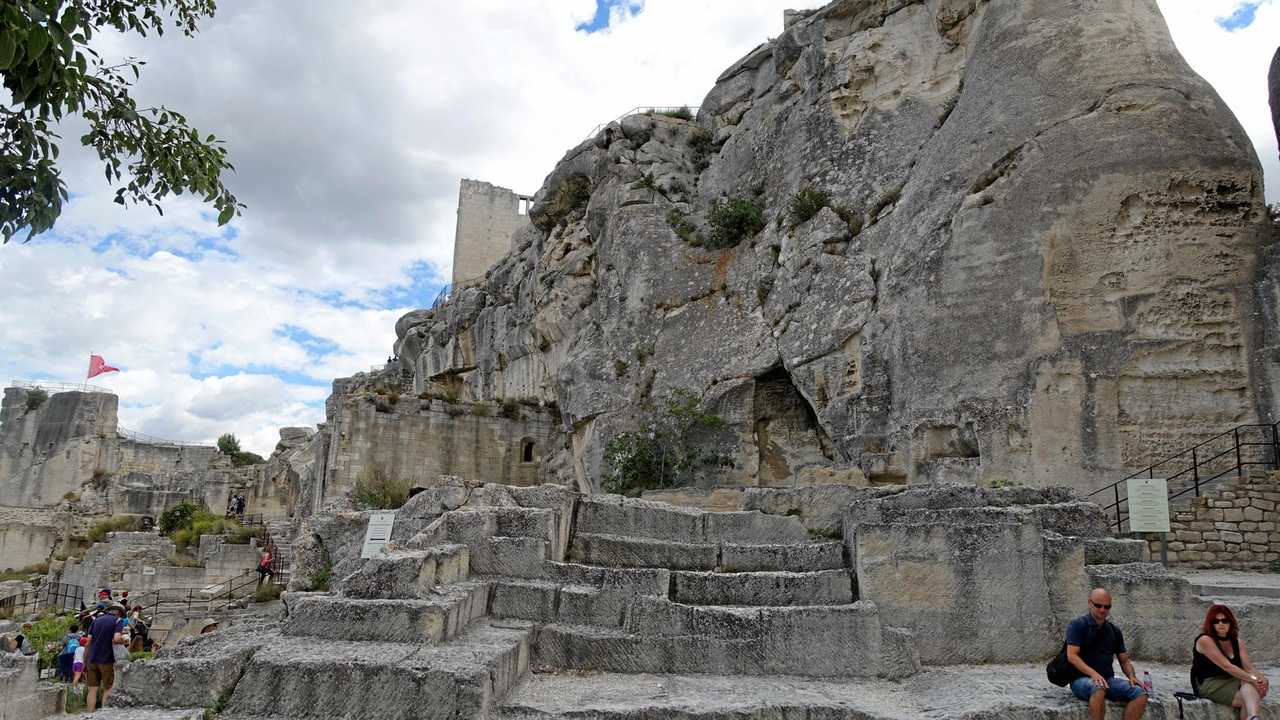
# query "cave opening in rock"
(787, 433)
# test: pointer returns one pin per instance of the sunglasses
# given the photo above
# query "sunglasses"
(1222, 621)
(1100, 606)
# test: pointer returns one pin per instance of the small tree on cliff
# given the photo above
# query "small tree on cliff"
(228, 444)
(50, 71)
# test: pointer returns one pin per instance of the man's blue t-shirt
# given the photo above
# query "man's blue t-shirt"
(1099, 644)
(101, 648)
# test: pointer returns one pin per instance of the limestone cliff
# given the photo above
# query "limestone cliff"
(1041, 261)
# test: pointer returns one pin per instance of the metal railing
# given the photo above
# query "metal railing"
(62, 596)
(153, 440)
(643, 109)
(58, 387)
(1189, 470)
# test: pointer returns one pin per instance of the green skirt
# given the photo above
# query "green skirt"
(1220, 689)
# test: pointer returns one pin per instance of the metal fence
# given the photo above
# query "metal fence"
(1187, 471)
(58, 596)
(57, 386)
(142, 437)
(644, 109)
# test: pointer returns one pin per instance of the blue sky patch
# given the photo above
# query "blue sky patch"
(604, 13)
(1241, 17)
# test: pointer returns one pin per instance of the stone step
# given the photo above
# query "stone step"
(145, 713)
(824, 587)
(319, 678)
(408, 574)
(549, 602)
(616, 515)
(622, 551)
(844, 642)
(654, 582)
(432, 620)
(1007, 692)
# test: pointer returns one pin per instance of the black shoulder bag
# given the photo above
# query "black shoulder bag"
(1060, 671)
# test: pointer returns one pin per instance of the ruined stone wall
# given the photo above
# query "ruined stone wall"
(1236, 526)
(487, 216)
(28, 536)
(425, 439)
(105, 563)
(55, 448)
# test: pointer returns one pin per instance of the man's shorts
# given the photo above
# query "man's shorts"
(1119, 689)
(103, 674)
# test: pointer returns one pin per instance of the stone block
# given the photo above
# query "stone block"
(524, 600)
(1232, 526)
(1247, 526)
(1199, 526)
(940, 580)
(1267, 526)
(1258, 547)
(1257, 537)
(826, 587)
(1227, 495)
(407, 573)
(1211, 515)
(582, 605)
(614, 515)
(1174, 546)
(523, 557)
(1113, 551)
(617, 551)
(433, 621)
(1264, 504)
(753, 528)
(1211, 535)
(1188, 536)
(796, 558)
(195, 674)
(1216, 546)
(1233, 515)
(655, 582)
(1231, 537)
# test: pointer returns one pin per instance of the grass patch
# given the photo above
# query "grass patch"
(267, 593)
(185, 523)
(24, 573)
(126, 523)
(141, 655)
(684, 229)
(732, 221)
(511, 409)
(36, 397)
(805, 204)
(378, 489)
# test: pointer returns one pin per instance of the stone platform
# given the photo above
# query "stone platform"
(989, 692)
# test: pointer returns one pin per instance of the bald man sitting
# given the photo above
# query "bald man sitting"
(1093, 645)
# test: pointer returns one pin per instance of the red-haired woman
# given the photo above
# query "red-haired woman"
(1220, 666)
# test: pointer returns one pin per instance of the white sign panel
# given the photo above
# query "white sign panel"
(148, 570)
(378, 534)
(1148, 505)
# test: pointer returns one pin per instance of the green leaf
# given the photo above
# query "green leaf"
(225, 216)
(7, 50)
(37, 41)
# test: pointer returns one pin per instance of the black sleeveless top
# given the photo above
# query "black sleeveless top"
(1202, 668)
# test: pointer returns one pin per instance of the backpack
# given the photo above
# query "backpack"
(1060, 671)
(73, 642)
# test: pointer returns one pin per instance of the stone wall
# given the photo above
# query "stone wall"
(425, 439)
(51, 450)
(29, 535)
(487, 216)
(106, 563)
(1233, 527)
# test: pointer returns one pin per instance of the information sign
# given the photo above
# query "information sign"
(378, 534)
(1148, 505)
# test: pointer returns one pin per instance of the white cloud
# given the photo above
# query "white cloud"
(350, 125)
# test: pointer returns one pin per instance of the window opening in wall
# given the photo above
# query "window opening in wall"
(526, 451)
(522, 205)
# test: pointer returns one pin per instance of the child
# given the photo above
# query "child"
(77, 664)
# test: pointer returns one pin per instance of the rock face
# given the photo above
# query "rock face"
(1037, 262)
(1273, 84)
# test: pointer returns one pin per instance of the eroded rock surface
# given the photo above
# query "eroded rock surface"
(1037, 264)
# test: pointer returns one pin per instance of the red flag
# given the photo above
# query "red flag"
(97, 366)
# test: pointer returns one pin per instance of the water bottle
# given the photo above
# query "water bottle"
(1146, 682)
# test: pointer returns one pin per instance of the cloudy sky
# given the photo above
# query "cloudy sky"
(350, 125)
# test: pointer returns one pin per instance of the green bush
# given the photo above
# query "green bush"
(806, 203)
(46, 633)
(128, 523)
(570, 195)
(732, 221)
(182, 559)
(242, 458)
(663, 452)
(702, 145)
(511, 409)
(141, 655)
(320, 579)
(682, 113)
(178, 516)
(36, 397)
(377, 489)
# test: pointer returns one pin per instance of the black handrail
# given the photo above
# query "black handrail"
(63, 596)
(1271, 440)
